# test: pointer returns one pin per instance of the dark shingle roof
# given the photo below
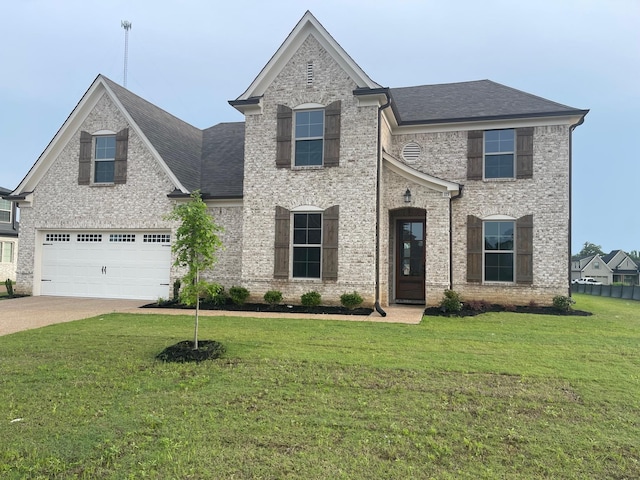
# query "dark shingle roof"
(178, 143)
(223, 160)
(477, 100)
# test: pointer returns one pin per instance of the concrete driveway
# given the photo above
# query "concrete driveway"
(25, 313)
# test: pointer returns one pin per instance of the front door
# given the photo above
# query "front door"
(410, 261)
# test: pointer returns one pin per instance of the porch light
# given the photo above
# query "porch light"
(407, 196)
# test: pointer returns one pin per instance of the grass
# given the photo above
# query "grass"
(500, 395)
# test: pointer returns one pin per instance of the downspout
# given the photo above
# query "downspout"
(378, 207)
(571, 129)
(451, 199)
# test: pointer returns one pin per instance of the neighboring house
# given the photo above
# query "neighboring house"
(333, 183)
(615, 267)
(8, 237)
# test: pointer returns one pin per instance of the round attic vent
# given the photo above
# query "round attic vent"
(411, 152)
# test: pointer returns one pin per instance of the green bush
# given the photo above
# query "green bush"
(238, 295)
(273, 297)
(563, 303)
(176, 289)
(208, 291)
(451, 302)
(311, 299)
(351, 300)
(216, 294)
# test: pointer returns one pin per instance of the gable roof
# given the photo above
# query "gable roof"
(178, 143)
(308, 25)
(223, 161)
(465, 101)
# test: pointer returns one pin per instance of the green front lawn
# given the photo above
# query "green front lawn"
(500, 395)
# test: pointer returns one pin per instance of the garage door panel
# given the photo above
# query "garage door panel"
(106, 265)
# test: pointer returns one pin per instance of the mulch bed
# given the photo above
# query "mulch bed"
(262, 307)
(183, 351)
(539, 310)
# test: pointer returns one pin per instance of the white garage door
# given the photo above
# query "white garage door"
(131, 265)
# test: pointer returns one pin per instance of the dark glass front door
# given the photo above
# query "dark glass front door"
(410, 260)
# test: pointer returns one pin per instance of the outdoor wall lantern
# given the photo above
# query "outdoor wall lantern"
(407, 196)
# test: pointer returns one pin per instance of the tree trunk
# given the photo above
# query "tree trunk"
(195, 333)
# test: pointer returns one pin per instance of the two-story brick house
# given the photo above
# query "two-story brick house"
(333, 183)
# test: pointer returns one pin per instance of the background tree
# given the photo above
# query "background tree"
(635, 255)
(195, 247)
(588, 249)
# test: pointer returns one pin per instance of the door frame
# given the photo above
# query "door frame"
(396, 220)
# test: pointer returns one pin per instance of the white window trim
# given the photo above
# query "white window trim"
(498, 218)
(94, 144)
(484, 156)
(10, 210)
(307, 107)
(294, 212)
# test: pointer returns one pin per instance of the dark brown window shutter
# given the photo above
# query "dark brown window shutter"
(524, 152)
(281, 246)
(524, 249)
(330, 221)
(474, 249)
(332, 134)
(475, 148)
(283, 137)
(120, 165)
(84, 164)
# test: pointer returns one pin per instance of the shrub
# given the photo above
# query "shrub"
(215, 294)
(509, 307)
(238, 295)
(208, 291)
(273, 297)
(176, 289)
(351, 300)
(451, 302)
(563, 303)
(311, 299)
(9, 284)
(477, 305)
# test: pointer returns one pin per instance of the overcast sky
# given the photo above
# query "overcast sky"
(190, 57)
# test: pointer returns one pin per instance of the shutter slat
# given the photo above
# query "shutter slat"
(281, 243)
(330, 223)
(120, 164)
(84, 160)
(524, 249)
(332, 134)
(475, 148)
(474, 249)
(524, 152)
(283, 136)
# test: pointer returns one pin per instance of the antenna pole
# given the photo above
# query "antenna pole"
(127, 26)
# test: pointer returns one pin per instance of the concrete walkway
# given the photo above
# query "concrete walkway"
(25, 313)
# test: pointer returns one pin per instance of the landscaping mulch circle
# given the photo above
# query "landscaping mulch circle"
(184, 352)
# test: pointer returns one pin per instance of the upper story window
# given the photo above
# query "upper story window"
(309, 138)
(307, 245)
(499, 154)
(105, 157)
(5, 211)
(499, 251)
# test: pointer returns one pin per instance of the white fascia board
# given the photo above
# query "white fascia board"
(429, 181)
(308, 25)
(222, 202)
(481, 125)
(176, 183)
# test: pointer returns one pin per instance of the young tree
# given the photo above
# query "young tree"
(195, 247)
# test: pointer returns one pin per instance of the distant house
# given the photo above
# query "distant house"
(8, 237)
(332, 183)
(615, 267)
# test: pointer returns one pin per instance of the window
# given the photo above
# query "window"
(499, 154)
(105, 157)
(5, 211)
(307, 244)
(309, 138)
(6, 252)
(499, 251)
